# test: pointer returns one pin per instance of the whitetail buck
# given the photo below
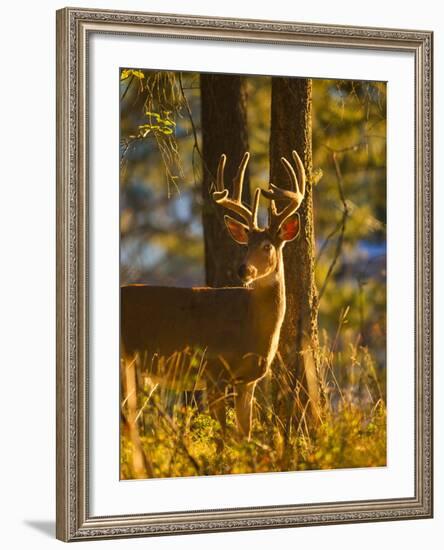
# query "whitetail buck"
(236, 329)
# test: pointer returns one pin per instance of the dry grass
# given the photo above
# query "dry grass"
(179, 438)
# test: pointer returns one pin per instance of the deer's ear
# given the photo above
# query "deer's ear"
(289, 230)
(237, 230)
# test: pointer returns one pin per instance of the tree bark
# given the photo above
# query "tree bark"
(224, 130)
(291, 129)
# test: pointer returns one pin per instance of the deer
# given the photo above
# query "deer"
(237, 329)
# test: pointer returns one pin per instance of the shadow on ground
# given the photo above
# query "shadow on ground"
(47, 527)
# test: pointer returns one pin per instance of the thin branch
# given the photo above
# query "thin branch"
(143, 407)
(327, 241)
(127, 87)
(193, 126)
(343, 223)
(351, 148)
(190, 116)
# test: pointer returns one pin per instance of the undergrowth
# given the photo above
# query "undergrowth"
(179, 438)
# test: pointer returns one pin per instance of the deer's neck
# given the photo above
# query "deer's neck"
(273, 285)
(269, 308)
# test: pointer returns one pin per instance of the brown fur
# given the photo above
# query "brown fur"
(237, 329)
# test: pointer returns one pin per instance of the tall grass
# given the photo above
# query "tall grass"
(178, 437)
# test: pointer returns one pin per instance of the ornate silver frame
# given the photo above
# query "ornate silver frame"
(74, 521)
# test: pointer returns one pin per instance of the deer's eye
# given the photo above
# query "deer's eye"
(267, 247)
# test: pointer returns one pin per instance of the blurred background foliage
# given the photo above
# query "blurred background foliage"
(160, 178)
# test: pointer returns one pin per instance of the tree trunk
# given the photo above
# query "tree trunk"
(291, 120)
(224, 130)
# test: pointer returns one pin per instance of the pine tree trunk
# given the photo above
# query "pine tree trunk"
(291, 121)
(224, 130)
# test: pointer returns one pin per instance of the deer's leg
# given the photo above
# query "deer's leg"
(141, 463)
(244, 407)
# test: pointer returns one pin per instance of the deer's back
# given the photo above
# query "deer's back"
(167, 319)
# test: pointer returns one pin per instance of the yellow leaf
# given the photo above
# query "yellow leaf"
(151, 114)
(131, 72)
(138, 74)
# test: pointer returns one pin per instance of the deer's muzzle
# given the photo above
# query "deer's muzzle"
(246, 272)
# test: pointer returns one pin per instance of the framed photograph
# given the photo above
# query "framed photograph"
(244, 274)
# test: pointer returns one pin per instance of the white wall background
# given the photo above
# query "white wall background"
(27, 233)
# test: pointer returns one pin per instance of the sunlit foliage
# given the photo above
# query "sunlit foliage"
(179, 438)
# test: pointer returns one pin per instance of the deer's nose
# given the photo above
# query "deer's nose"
(246, 271)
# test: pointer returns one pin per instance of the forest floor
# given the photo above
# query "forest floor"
(179, 438)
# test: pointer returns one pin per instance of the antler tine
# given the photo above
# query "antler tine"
(221, 197)
(238, 180)
(257, 196)
(273, 208)
(293, 197)
(291, 174)
(220, 173)
(301, 172)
